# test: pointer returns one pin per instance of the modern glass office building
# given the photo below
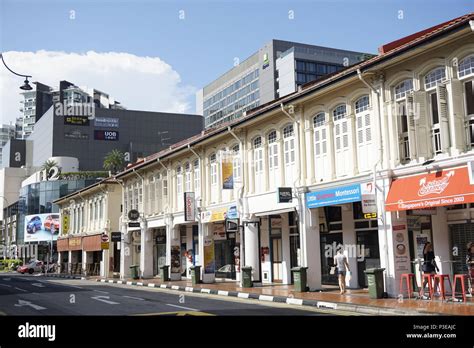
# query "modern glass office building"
(275, 70)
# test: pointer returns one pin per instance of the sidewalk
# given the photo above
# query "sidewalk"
(353, 300)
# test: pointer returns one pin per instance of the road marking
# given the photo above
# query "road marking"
(104, 299)
(243, 295)
(129, 283)
(186, 308)
(188, 289)
(175, 287)
(6, 279)
(151, 285)
(207, 291)
(181, 313)
(163, 286)
(141, 284)
(119, 282)
(22, 289)
(39, 285)
(134, 298)
(102, 292)
(8, 286)
(22, 303)
(222, 292)
(326, 305)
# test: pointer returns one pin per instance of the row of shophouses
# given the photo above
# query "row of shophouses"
(375, 158)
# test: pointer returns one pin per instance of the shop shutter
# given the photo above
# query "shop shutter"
(443, 117)
(461, 234)
(422, 129)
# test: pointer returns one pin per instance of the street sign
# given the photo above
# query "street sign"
(104, 238)
(133, 224)
(284, 194)
(116, 236)
(231, 225)
(133, 215)
(104, 245)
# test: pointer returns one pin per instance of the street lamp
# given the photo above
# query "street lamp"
(26, 85)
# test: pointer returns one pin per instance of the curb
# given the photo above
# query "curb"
(278, 299)
(64, 276)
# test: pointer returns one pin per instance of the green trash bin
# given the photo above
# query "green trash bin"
(195, 274)
(299, 278)
(247, 277)
(165, 273)
(134, 271)
(375, 282)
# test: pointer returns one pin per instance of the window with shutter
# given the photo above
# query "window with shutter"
(273, 166)
(341, 139)
(289, 151)
(363, 132)
(258, 163)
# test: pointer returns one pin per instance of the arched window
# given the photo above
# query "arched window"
(364, 132)
(403, 88)
(197, 178)
(187, 177)
(258, 163)
(321, 164)
(236, 162)
(273, 159)
(213, 161)
(341, 139)
(466, 66)
(289, 153)
(179, 186)
(435, 77)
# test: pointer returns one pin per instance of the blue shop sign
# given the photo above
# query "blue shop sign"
(339, 195)
(232, 212)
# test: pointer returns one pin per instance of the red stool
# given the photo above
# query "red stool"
(462, 278)
(408, 278)
(429, 277)
(440, 279)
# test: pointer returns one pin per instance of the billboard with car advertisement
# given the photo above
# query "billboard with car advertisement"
(40, 227)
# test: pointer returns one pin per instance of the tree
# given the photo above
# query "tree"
(114, 161)
(46, 167)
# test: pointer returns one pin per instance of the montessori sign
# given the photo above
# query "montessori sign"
(338, 195)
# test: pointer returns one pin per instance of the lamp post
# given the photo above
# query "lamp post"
(26, 85)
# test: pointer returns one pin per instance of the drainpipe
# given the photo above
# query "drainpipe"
(240, 206)
(379, 162)
(198, 217)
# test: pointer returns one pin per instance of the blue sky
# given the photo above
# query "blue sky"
(204, 44)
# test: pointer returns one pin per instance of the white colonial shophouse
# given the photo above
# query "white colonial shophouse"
(346, 144)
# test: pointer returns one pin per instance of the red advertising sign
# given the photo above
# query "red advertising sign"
(445, 187)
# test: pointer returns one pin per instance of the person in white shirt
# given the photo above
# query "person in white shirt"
(340, 260)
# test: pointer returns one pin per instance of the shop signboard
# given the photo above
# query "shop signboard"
(219, 214)
(106, 122)
(332, 196)
(369, 204)
(219, 231)
(470, 168)
(231, 225)
(436, 189)
(133, 215)
(76, 120)
(116, 236)
(284, 194)
(104, 245)
(65, 222)
(209, 262)
(189, 206)
(232, 212)
(42, 227)
(133, 224)
(227, 172)
(106, 135)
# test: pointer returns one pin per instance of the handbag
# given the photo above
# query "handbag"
(333, 270)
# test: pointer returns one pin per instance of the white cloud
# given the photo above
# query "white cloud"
(140, 83)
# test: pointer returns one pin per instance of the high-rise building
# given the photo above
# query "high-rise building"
(275, 70)
(6, 133)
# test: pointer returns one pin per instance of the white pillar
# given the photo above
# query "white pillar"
(285, 246)
(125, 252)
(146, 255)
(84, 260)
(310, 246)
(252, 254)
(441, 243)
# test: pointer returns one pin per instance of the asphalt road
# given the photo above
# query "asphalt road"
(36, 295)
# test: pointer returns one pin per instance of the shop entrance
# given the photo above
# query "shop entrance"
(368, 241)
(327, 243)
(183, 244)
(159, 252)
(225, 267)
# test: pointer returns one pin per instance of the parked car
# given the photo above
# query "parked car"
(33, 225)
(52, 220)
(31, 267)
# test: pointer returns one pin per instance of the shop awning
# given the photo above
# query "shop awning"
(276, 212)
(442, 188)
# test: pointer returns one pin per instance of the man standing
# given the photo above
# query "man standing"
(340, 260)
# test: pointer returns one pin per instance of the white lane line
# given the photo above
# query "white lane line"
(8, 286)
(134, 298)
(39, 285)
(187, 308)
(22, 303)
(6, 279)
(102, 292)
(104, 299)
(22, 289)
